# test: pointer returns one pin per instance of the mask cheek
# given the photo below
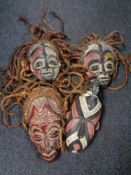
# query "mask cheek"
(90, 74)
(35, 72)
(56, 72)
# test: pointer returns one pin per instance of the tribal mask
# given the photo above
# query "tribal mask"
(43, 113)
(44, 63)
(99, 59)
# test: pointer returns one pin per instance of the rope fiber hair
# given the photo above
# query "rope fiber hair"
(17, 81)
(116, 41)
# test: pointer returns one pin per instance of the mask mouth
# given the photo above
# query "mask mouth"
(48, 153)
(47, 75)
(49, 71)
(104, 81)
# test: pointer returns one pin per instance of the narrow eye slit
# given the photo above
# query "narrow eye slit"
(94, 68)
(53, 62)
(38, 64)
(109, 66)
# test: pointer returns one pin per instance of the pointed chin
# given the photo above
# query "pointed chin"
(44, 117)
(43, 145)
(46, 137)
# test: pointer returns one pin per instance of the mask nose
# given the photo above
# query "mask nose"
(102, 73)
(46, 65)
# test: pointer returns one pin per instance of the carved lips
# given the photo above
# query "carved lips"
(43, 113)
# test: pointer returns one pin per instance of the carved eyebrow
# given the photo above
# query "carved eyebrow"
(40, 57)
(108, 59)
(52, 56)
(94, 61)
(94, 51)
(107, 52)
(50, 50)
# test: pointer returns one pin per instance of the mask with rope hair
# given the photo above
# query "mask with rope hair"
(39, 80)
(101, 57)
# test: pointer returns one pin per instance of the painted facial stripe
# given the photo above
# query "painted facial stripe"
(92, 47)
(91, 130)
(72, 138)
(72, 125)
(84, 107)
(72, 146)
(83, 141)
(68, 115)
(74, 110)
(36, 54)
(78, 107)
(108, 55)
(76, 146)
(90, 57)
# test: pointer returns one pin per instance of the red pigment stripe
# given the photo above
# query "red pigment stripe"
(90, 130)
(96, 119)
(76, 147)
(91, 126)
(71, 124)
(49, 157)
(74, 110)
(68, 115)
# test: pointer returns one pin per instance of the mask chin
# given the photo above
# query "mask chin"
(104, 82)
(50, 75)
(47, 78)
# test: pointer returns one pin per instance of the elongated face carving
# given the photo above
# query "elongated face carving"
(44, 61)
(99, 59)
(45, 123)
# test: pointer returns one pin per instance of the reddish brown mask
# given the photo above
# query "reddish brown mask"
(44, 116)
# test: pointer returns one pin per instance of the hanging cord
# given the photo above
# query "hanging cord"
(129, 60)
(124, 61)
(44, 21)
(26, 22)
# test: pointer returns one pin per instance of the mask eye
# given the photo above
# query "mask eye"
(38, 64)
(53, 63)
(94, 68)
(109, 66)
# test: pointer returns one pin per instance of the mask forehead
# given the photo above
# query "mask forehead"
(38, 98)
(50, 51)
(95, 52)
(41, 107)
(35, 54)
(108, 56)
(91, 57)
(105, 47)
(91, 47)
(39, 49)
(99, 59)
